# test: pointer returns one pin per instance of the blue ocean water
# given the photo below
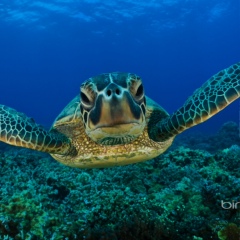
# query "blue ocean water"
(48, 48)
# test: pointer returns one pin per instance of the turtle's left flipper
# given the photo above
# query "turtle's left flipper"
(215, 94)
(19, 130)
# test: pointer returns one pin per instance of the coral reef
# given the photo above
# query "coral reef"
(227, 136)
(231, 231)
(176, 196)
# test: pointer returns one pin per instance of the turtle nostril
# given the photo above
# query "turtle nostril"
(113, 90)
(117, 91)
(109, 92)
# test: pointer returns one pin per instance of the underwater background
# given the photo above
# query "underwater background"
(48, 48)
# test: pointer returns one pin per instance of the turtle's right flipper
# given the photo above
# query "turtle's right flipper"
(19, 130)
(217, 93)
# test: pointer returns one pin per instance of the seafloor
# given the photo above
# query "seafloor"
(175, 196)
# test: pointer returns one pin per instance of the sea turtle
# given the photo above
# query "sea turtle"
(111, 122)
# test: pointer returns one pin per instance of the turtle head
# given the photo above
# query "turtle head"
(113, 108)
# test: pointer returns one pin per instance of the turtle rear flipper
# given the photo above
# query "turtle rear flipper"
(19, 130)
(217, 93)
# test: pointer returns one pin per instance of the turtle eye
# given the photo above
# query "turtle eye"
(84, 98)
(136, 87)
(139, 91)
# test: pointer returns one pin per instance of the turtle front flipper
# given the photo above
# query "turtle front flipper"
(217, 93)
(19, 130)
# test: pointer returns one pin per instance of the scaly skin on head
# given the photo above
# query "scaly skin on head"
(113, 108)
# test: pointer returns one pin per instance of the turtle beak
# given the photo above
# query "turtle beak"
(117, 108)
